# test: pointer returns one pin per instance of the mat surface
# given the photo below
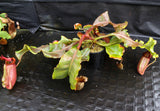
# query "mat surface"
(108, 88)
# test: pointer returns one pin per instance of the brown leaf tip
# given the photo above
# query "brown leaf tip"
(80, 82)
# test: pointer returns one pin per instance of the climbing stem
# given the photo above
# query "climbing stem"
(101, 37)
(80, 41)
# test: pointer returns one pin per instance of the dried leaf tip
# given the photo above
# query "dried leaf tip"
(80, 82)
(77, 26)
(119, 65)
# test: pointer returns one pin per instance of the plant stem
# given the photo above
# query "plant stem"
(86, 35)
(80, 41)
(101, 37)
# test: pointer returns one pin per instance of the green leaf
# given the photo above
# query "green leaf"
(65, 40)
(75, 40)
(4, 35)
(3, 15)
(85, 54)
(2, 25)
(150, 47)
(54, 47)
(115, 50)
(57, 51)
(53, 50)
(69, 65)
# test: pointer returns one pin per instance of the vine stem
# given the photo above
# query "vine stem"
(80, 41)
(101, 37)
(86, 35)
(151, 62)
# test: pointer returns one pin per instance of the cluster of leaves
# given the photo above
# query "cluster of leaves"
(7, 28)
(73, 52)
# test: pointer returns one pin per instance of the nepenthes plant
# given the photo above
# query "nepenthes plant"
(72, 52)
(7, 28)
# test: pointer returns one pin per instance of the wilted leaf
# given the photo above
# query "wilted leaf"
(77, 26)
(120, 26)
(6, 21)
(25, 49)
(53, 50)
(102, 20)
(3, 42)
(80, 34)
(69, 65)
(56, 52)
(126, 39)
(11, 28)
(80, 82)
(119, 65)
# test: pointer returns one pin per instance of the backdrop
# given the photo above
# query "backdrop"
(108, 88)
(143, 16)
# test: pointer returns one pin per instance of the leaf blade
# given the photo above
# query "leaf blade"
(53, 50)
(69, 64)
(102, 20)
(123, 35)
(4, 35)
(85, 54)
(150, 47)
(25, 49)
(2, 25)
(115, 51)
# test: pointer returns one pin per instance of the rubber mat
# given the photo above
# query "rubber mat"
(108, 88)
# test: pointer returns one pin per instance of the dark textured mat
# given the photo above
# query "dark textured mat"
(108, 88)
